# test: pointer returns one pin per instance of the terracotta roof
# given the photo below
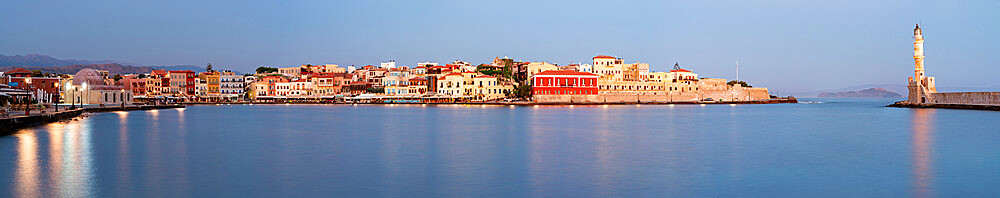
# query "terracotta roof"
(159, 72)
(679, 70)
(451, 74)
(301, 80)
(485, 76)
(604, 57)
(18, 71)
(418, 79)
(563, 72)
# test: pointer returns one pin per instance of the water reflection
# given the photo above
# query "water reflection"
(26, 181)
(68, 164)
(923, 126)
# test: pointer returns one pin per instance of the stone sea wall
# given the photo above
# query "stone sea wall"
(968, 98)
(738, 94)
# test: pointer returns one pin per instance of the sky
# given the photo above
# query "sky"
(783, 45)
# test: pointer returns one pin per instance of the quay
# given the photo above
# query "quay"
(520, 103)
(17, 122)
(905, 104)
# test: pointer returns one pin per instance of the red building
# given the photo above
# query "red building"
(555, 82)
(45, 89)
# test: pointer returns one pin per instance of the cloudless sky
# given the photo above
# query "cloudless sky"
(784, 45)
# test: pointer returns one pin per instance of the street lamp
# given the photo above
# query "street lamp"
(84, 90)
(27, 106)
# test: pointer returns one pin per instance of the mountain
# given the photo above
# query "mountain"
(45, 61)
(112, 68)
(866, 93)
(178, 67)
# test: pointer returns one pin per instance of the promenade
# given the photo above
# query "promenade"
(18, 120)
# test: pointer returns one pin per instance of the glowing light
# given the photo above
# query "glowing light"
(671, 105)
(181, 109)
(703, 105)
(732, 105)
(511, 106)
(536, 106)
(605, 106)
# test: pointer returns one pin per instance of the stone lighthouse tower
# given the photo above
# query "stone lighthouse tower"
(921, 87)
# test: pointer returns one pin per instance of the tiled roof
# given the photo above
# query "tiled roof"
(18, 71)
(679, 70)
(604, 57)
(485, 76)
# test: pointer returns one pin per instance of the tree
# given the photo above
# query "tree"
(117, 77)
(523, 91)
(264, 70)
(209, 67)
(733, 82)
(375, 90)
(36, 73)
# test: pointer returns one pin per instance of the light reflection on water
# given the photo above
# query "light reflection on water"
(832, 149)
(923, 126)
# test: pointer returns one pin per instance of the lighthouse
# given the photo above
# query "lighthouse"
(920, 86)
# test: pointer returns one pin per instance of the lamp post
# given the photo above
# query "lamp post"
(27, 106)
(85, 91)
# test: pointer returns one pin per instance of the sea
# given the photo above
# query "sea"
(816, 148)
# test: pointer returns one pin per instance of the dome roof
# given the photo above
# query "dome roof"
(90, 76)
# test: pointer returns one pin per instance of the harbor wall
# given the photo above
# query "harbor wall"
(10, 125)
(737, 94)
(968, 98)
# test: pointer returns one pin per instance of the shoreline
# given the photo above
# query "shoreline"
(521, 103)
(14, 124)
(904, 104)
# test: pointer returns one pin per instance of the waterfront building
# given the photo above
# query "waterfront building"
(486, 87)
(427, 64)
(88, 86)
(231, 86)
(282, 89)
(451, 84)
(388, 65)
(615, 69)
(44, 89)
(181, 83)
(328, 84)
(300, 88)
(290, 71)
(267, 85)
(532, 68)
(417, 85)
(135, 84)
(586, 68)
(552, 86)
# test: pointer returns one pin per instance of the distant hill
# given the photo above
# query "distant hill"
(113, 68)
(178, 67)
(70, 66)
(44, 60)
(866, 93)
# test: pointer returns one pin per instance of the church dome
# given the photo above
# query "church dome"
(90, 76)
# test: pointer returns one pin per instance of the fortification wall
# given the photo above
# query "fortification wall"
(968, 98)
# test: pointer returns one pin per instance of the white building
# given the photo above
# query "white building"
(231, 86)
(388, 65)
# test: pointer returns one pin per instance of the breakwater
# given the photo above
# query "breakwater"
(904, 104)
(12, 124)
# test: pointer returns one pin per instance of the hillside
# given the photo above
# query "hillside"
(866, 93)
(113, 68)
(44, 60)
(70, 66)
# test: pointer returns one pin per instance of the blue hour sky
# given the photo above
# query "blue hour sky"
(785, 45)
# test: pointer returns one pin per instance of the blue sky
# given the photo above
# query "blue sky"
(784, 45)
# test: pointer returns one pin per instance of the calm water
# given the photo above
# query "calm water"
(839, 148)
